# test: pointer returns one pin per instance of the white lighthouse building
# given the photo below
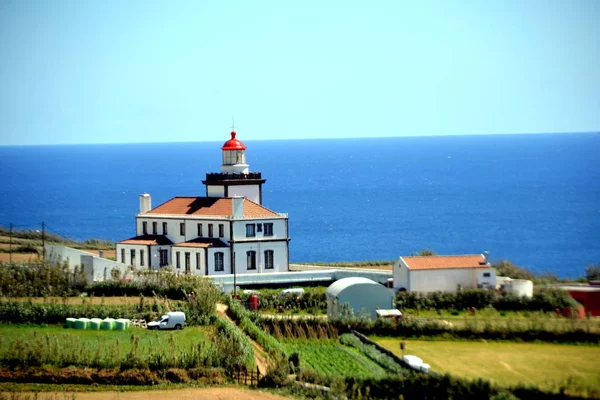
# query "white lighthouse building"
(227, 231)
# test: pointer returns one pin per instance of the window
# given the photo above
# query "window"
(269, 259)
(177, 261)
(251, 259)
(187, 262)
(123, 256)
(210, 230)
(154, 228)
(132, 257)
(182, 229)
(250, 230)
(221, 230)
(164, 228)
(144, 228)
(199, 229)
(141, 258)
(219, 265)
(197, 260)
(486, 274)
(268, 229)
(258, 227)
(164, 257)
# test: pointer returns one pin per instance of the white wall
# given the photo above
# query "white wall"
(400, 275)
(215, 191)
(95, 268)
(431, 280)
(136, 248)
(251, 192)
(191, 228)
(195, 269)
(155, 252)
(280, 256)
(279, 229)
(486, 281)
(226, 261)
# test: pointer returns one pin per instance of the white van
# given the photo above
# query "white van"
(173, 320)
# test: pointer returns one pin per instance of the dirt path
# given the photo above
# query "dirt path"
(174, 394)
(260, 356)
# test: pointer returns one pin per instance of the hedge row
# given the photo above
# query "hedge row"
(46, 313)
(246, 321)
(88, 376)
(39, 280)
(542, 300)
(314, 300)
(542, 330)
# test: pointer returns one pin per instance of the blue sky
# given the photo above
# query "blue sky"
(149, 71)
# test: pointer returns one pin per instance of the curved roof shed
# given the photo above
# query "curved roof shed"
(361, 294)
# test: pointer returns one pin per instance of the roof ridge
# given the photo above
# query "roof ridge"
(259, 205)
(442, 255)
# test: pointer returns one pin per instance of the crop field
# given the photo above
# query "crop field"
(54, 345)
(328, 357)
(548, 366)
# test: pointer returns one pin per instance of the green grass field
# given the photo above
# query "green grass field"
(84, 347)
(548, 366)
(328, 357)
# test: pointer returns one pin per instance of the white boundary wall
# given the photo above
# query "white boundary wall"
(96, 268)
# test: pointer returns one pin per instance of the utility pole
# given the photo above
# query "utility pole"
(10, 244)
(43, 242)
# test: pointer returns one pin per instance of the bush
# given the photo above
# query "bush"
(383, 360)
(313, 300)
(233, 346)
(246, 321)
(592, 272)
(46, 313)
(39, 280)
(542, 300)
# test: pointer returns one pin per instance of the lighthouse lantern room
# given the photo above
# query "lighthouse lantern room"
(234, 179)
(234, 156)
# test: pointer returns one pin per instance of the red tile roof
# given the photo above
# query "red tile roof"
(152, 240)
(210, 206)
(445, 262)
(202, 242)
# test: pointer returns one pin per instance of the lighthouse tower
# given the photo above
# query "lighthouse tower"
(234, 178)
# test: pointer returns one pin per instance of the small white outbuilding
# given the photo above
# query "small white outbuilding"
(443, 273)
(361, 294)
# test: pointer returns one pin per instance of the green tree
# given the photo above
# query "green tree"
(507, 268)
(592, 272)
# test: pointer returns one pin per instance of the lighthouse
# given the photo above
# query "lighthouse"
(235, 179)
(226, 232)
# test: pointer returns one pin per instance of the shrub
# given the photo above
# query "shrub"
(592, 272)
(46, 313)
(246, 321)
(383, 360)
(39, 280)
(543, 300)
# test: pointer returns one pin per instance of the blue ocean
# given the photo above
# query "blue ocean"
(531, 199)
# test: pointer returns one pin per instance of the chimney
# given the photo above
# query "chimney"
(237, 207)
(145, 203)
(486, 256)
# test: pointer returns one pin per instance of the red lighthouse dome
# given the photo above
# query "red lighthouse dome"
(233, 143)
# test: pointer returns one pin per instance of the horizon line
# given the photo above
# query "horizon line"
(293, 139)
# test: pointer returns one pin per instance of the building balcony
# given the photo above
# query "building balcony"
(219, 177)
